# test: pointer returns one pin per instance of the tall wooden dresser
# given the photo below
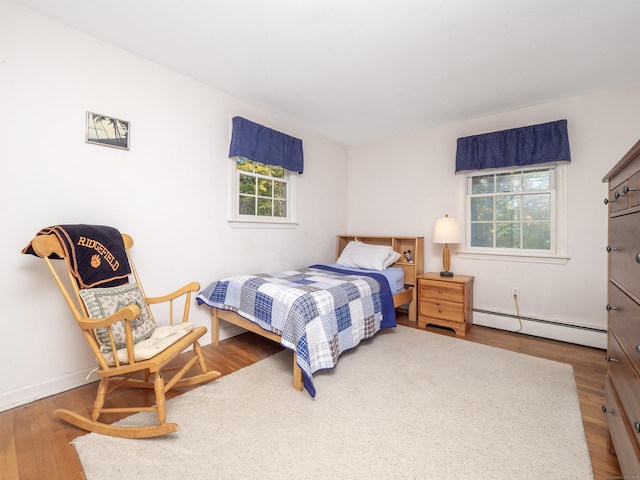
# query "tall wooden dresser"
(622, 389)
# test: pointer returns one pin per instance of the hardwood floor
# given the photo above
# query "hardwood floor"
(34, 444)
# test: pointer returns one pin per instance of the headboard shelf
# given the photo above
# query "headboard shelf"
(399, 244)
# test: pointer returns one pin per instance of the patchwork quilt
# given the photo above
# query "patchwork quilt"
(319, 311)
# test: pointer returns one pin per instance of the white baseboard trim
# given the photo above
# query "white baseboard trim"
(228, 330)
(31, 393)
(554, 330)
(530, 326)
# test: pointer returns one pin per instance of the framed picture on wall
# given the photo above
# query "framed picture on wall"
(107, 131)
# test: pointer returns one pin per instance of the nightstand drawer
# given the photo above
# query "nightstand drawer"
(453, 312)
(434, 290)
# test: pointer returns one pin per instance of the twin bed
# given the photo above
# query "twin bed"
(320, 311)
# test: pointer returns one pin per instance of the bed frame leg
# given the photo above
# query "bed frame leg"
(413, 310)
(297, 373)
(215, 327)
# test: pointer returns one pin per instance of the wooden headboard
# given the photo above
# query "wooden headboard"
(400, 245)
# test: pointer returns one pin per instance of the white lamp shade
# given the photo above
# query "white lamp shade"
(447, 230)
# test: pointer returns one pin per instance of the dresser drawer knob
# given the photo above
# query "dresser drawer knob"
(617, 195)
(609, 308)
(636, 426)
(637, 257)
(611, 249)
(610, 359)
(605, 409)
(606, 201)
(626, 189)
(638, 348)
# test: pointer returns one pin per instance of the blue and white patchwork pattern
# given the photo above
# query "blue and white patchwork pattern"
(319, 311)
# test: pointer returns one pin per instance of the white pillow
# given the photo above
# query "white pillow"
(370, 257)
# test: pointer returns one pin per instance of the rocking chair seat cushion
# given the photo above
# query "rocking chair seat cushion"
(162, 338)
(103, 302)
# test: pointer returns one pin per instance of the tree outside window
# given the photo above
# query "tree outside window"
(512, 210)
(262, 189)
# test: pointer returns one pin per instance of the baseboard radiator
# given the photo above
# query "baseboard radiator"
(539, 327)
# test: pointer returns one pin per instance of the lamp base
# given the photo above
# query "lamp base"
(446, 274)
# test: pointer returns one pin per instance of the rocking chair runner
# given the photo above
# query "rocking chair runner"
(123, 359)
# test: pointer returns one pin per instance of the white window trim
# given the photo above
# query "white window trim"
(561, 255)
(236, 221)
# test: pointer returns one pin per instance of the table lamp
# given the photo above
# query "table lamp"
(446, 230)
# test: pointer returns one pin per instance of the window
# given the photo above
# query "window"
(516, 212)
(261, 193)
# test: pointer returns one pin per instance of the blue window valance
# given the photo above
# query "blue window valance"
(542, 143)
(262, 144)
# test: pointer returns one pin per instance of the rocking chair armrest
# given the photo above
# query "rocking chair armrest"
(129, 313)
(189, 288)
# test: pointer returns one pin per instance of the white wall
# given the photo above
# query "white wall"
(169, 191)
(602, 127)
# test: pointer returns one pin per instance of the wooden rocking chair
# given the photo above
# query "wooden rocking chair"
(123, 359)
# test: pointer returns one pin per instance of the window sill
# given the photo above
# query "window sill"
(261, 224)
(556, 259)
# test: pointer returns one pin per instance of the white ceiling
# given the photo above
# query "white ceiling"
(361, 70)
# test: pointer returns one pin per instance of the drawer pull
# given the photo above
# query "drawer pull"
(617, 195)
(609, 308)
(636, 426)
(606, 201)
(637, 257)
(610, 359)
(626, 189)
(638, 348)
(611, 249)
(605, 409)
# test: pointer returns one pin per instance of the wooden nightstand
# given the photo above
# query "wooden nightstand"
(445, 301)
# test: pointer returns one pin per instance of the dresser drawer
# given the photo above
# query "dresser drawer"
(626, 450)
(625, 195)
(634, 190)
(440, 291)
(627, 385)
(624, 322)
(624, 257)
(453, 312)
(618, 201)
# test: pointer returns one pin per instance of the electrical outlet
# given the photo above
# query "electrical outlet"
(515, 292)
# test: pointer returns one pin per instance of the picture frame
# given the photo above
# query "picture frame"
(107, 131)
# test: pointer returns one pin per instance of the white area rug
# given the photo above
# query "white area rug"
(407, 404)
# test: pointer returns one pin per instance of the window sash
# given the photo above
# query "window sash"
(510, 220)
(259, 198)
